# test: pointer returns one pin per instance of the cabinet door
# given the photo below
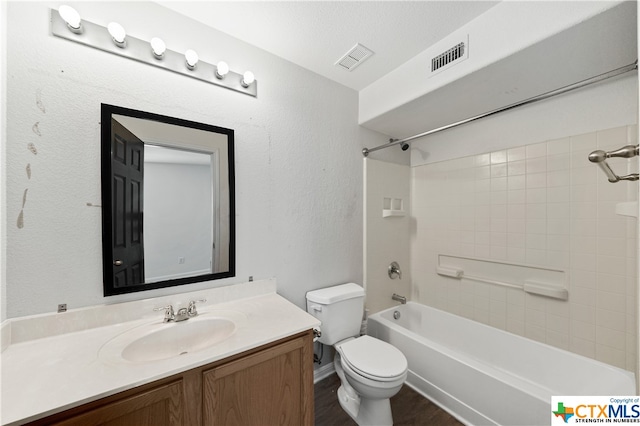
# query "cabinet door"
(270, 387)
(161, 406)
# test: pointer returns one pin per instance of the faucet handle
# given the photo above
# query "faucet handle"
(192, 312)
(168, 312)
(394, 271)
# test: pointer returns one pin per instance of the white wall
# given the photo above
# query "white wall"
(177, 208)
(503, 31)
(298, 159)
(3, 177)
(386, 239)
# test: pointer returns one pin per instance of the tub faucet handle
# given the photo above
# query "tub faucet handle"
(394, 271)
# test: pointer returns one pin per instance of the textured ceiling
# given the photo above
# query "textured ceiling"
(316, 34)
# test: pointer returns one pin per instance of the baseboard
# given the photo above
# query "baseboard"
(323, 372)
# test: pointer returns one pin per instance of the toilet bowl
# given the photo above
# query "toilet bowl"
(371, 371)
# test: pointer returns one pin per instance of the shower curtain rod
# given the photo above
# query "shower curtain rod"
(565, 89)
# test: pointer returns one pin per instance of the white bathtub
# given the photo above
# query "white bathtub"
(483, 375)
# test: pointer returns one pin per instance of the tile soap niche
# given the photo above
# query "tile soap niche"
(392, 207)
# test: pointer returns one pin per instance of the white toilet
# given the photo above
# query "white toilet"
(371, 371)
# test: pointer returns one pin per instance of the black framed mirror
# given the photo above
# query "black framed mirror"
(168, 204)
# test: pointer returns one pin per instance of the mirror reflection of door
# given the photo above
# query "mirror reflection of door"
(127, 201)
(179, 204)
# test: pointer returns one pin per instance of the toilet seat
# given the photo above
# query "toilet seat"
(373, 358)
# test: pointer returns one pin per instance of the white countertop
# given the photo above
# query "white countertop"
(46, 375)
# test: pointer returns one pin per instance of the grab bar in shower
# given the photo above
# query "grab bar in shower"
(600, 157)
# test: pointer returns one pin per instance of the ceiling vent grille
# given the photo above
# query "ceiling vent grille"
(354, 57)
(458, 53)
(447, 57)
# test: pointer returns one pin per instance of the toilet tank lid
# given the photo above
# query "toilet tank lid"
(336, 293)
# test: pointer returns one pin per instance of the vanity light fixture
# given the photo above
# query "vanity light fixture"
(191, 58)
(222, 69)
(118, 34)
(71, 18)
(247, 79)
(66, 23)
(158, 47)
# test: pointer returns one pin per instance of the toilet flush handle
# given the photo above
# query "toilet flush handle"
(316, 308)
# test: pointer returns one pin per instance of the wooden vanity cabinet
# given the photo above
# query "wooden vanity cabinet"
(269, 385)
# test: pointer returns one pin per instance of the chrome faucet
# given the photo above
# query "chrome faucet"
(169, 315)
(183, 314)
(191, 311)
(399, 298)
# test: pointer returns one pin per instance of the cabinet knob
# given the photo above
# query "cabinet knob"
(117, 262)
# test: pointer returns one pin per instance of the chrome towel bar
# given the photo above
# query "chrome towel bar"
(600, 157)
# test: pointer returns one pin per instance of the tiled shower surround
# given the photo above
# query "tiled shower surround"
(542, 204)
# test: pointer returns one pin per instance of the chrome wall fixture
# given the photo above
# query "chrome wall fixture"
(600, 158)
(66, 23)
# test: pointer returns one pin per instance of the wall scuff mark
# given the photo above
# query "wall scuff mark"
(36, 129)
(31, 147)
(20, 222)
(39, 103)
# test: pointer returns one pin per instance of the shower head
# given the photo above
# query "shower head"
(403, 145)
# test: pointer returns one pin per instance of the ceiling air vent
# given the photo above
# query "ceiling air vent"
(354, 57)
(453, 55)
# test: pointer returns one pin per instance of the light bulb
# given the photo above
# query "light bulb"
(192, 58)
(158, 47)
(118, 34)
(71, 17)
(247, 79)
(222, 69)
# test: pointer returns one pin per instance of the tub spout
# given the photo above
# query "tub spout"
(399, 298)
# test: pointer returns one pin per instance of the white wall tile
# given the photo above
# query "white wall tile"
(516, 168)
(541, 204)
(612, 138)
(586, 141)
(582, 347)
(582, 330)
(537, 195)
(482, 172)
(499, 170)
(536, 150)
(559, 162)
(482, 159)
(516, 154)
(612, 320)
(498, 157)
(558, 194)
(536, 165)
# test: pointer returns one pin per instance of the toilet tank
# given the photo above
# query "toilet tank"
(339, 309)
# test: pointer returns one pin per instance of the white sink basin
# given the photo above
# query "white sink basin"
(158, 341)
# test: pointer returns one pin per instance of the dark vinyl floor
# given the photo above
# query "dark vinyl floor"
(408, 407)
